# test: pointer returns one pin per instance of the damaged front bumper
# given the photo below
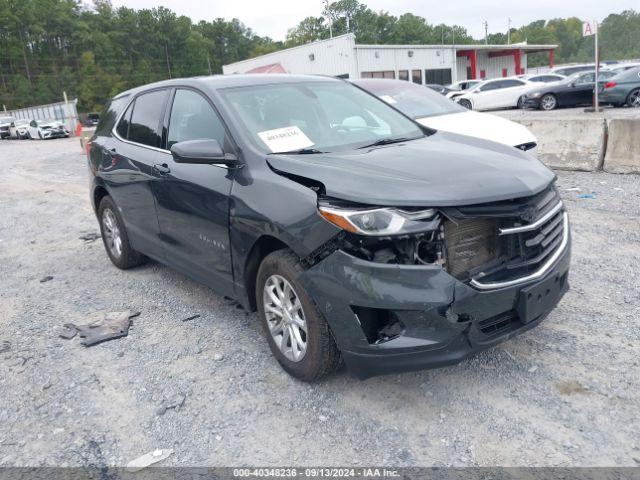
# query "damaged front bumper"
(390, 318)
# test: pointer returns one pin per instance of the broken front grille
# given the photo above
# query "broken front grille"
(490, 244)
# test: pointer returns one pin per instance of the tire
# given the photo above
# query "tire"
(114, 237)
(466, 104)
(39, 134)
(520, 103)
(548, 102)
(633, 99)
(321, 355)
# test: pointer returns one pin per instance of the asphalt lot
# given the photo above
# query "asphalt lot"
(566, 393)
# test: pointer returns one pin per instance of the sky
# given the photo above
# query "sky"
(273, 17)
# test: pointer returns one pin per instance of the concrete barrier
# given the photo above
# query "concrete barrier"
(569, 144)
(623, 146)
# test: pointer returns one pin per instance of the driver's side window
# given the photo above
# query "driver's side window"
(489, 86)
(587, 78)
(193, 118)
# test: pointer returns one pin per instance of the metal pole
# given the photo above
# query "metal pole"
(509, 32)
(209, 63)
(486, 27)
(595, 107)
(330, 20)
(166, 51)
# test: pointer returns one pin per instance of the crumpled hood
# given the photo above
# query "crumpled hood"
(55, 124)
(444, 169)
(481, 125)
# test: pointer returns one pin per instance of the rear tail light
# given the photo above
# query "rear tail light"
(610, 84)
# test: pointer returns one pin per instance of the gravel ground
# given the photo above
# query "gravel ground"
(565, 393)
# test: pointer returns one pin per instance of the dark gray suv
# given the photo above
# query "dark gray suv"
(358, 235)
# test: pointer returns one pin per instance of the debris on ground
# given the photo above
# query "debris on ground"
(46, 279)
(148, 459)
(5, 346)
(192, 317)
(174, 402)
(90, 237)
(68, 331)
(574, 189)
(111, 326)
(570, 387)
(587, 195)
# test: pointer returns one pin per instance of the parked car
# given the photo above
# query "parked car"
(463, 85)
(543, 77)
(47, 128)
(93, 119)
(575, 91)
(441, 89)
(434, 111)
(358, 234)
(458, 88)
(621, 67)
(19, 129)
(5, 123)
(622, 89)
(496, 93)
(572, 69)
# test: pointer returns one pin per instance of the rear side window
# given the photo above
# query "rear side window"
(109, 115)
(123, 124)
(193, 118)
(145, 118)
(511, 83)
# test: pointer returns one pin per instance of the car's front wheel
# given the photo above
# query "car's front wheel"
(297, 332)
(548, 102)
(520, 103)
(633, 100)
(115, 238)
(466, 104)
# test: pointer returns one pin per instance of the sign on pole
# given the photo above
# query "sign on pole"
(588, 29)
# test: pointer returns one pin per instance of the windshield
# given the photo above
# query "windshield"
(411, 99)
(316, 116)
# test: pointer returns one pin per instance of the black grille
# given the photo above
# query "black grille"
(498, 324)
(475, 249)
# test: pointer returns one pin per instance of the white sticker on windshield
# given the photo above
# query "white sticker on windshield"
(285, 139)
(388, 99)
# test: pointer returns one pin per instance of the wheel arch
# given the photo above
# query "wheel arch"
(262, 247)
(99, 192)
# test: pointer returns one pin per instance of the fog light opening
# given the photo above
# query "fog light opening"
(379, 325)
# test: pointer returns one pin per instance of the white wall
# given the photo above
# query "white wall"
(330, 57)
(379, 58)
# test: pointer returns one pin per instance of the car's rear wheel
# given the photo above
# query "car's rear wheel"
(466, 104)
(297, 332)
(633, 100)
(548, 102)
(115, 238)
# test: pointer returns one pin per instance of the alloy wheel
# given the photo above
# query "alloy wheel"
(285, 317)
(634, 99)
(113, 239)
(548, 102)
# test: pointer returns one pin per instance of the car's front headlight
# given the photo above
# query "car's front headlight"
(379, 221)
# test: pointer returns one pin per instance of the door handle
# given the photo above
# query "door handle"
(162, 168)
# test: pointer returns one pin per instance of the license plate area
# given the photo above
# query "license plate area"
(540, 298)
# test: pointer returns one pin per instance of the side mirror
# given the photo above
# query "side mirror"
(204, 152)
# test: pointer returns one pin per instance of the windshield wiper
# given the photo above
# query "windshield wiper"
(388, 141)
(300, 151)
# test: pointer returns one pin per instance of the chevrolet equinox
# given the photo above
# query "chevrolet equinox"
(358, 235)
